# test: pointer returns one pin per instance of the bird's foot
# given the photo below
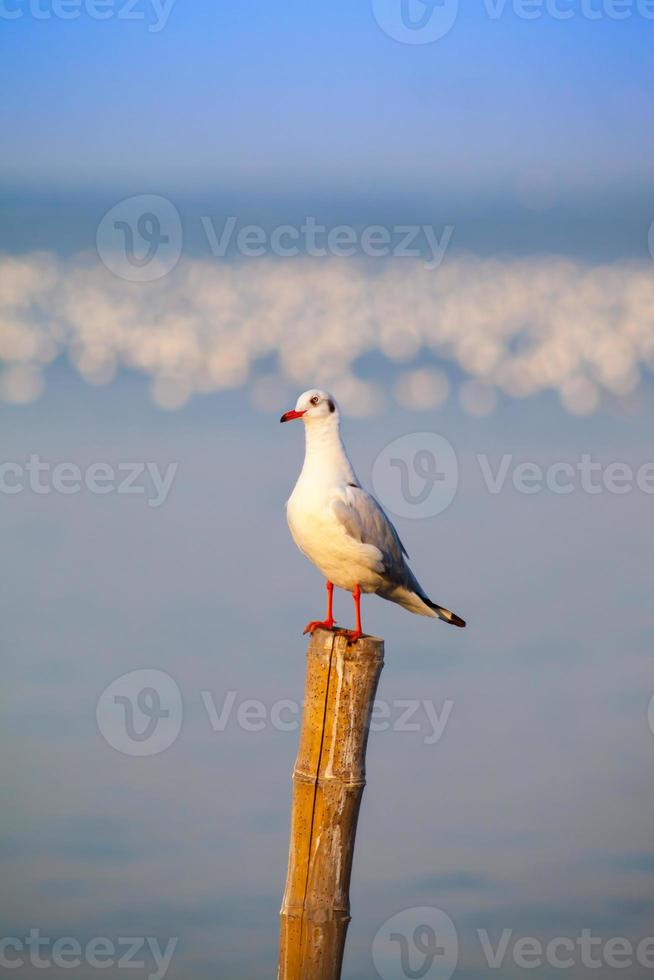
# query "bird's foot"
(317, 624)
(352, 635)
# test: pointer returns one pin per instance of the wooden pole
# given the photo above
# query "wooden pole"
(328, 782)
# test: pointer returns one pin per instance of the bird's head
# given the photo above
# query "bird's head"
(313, 406)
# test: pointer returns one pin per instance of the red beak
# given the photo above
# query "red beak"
(288, 416)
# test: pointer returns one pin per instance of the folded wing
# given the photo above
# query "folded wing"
(364, 520)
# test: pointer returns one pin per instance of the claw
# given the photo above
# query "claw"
(316, 624)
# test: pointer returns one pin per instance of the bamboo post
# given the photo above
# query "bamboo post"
(328, 782)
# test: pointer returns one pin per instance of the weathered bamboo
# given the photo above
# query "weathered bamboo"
(328, 782)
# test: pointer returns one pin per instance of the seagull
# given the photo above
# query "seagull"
(342, 529)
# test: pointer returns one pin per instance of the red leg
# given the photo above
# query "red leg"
(328, 622)
(357, 632)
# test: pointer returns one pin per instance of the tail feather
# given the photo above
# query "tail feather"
(445, 614)
(415, 600)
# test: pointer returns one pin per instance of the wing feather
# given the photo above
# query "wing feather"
(364, 520)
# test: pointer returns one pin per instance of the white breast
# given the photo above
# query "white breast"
(323, 539)
(315, 527)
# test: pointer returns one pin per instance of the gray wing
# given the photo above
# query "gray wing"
(364, 520)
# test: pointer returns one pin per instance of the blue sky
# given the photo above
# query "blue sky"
(280, 110)
(280, 96)
(532, 139)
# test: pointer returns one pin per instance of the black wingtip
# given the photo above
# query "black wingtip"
(445, 614)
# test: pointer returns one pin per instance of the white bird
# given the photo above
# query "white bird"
(341, 528)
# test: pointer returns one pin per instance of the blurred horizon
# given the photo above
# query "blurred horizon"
(530, 215)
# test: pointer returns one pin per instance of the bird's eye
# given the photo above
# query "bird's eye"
(315, 400)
